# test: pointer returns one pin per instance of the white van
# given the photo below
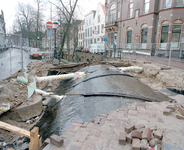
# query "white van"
(97, 48)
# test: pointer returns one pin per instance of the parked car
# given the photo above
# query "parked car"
(78, 48)
(35, 53)
(97, 48)
(86, 50)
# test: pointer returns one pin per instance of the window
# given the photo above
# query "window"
(176, 32)
(101, 39)
(129, 36)
(88, 32)
(164, 35)
(98, 29)
(109, 36)
(89, 21)
(91, 31)
(131, 10)
(112, 15)
(98, 18)
(146, 6)
(94, 40)
(144, 35)
(112, 38)
(180, 2)
(102, 28)
(85, 32)
(168, 3)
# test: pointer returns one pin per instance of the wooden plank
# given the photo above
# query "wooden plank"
(34, 139)
(14, 129)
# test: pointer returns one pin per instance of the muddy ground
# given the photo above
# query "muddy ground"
(15, 93)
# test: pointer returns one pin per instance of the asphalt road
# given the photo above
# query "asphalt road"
(99, 92)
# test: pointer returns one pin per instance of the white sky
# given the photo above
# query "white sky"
(9, 9)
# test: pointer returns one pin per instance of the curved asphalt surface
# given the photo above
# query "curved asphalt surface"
(60, 115)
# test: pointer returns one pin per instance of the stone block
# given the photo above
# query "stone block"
(56, 140)
(167, 111)
(146, 134)
(181, 110)
(129, 138)
(139, 126)
(158, 134)
(171, 106)
(136, 134)
(129, 128)
(144, 144)
(179, 116)
(122, 138)
(1, 88)
(84, 125)
(136, 144)
(55, 62)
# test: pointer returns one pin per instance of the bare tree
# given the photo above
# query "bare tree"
(66, 12)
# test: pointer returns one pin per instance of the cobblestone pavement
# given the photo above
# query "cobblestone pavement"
(103, 133)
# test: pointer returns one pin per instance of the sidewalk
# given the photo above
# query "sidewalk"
(127, 128)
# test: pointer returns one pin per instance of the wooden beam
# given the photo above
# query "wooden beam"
(14, 129)
(34, 139)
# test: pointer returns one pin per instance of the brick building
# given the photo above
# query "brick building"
(141, 22)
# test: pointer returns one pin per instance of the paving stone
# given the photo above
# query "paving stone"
(167, 111)
(97, 121)
(84, 125)
(140, 130)
(172, 107)
(56, 140)
(136, 144)
(129, 138)
(154, 142)
(138, 126)
(179, 116)
(79, 122)
(129, 128)
(144, 144)
(113, 118)
(146, 134)
(132, 108)
(47, 141)
(152, 136)
(136, 134)
(181, 110)
(132, 113)
(103, 115)
(158, 134)
(98, 133)
(122, 138)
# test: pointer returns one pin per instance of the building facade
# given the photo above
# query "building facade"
(89, 27)
(99, 24)
(81, 34)
(2, 29)
(141, 22)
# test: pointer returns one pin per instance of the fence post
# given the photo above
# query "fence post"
(34, 139)
(151, 50)
(21, 51)
(170, 55)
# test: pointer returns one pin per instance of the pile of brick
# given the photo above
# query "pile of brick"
(140, 137)
(176, 109)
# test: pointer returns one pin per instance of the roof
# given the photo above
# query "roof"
(103, 7)
(83, 21)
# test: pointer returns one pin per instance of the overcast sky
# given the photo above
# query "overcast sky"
(9, 8)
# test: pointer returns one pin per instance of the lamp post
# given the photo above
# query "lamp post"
(55, 25)
(115, 41)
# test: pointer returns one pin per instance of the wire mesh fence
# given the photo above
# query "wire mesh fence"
(167, 54)
(14, 54)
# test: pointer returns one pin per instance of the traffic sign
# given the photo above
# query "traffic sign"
(136, 37)
(136, 34)
(49, 24)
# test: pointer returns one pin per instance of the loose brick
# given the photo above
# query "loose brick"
(97, 120)
(172, 107)
(158, 134)
(102, 115)
(129, 138)
(139, 126)
(181, 110)
(79, 122)
(146, 134)
(84, 125)
(129, 128)
(144, 144)
(167, 111)
(56, 140)
(140, 130)
(154, 142)
(47, 141)
(136, 144)
(179, 116)
(122, 138)
(136, 134)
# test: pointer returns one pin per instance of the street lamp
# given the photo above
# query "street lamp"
(115, 41)
(55, 25)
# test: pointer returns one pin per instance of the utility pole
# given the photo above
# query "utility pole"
(51, 28)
